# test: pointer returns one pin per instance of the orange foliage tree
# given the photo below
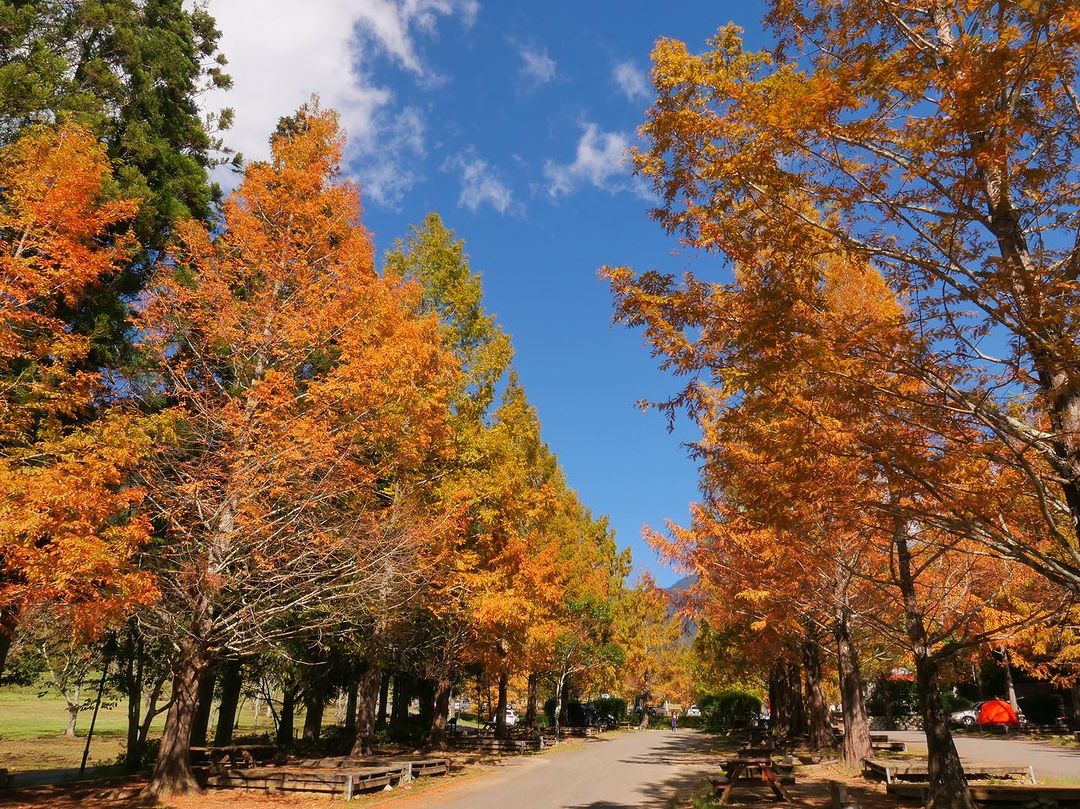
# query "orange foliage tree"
(309, 395)
(69, 524)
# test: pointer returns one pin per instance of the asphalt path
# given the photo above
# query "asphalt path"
(614, 771)
(1048, 760)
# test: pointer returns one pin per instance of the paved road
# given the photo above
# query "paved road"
(614, 771)
(1047, 759)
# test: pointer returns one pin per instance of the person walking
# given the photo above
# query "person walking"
(674, 720)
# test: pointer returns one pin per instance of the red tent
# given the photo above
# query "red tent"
(997, 712)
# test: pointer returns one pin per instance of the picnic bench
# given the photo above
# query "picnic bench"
(892, 770)
(747, 770)
(345, 781)
(1063, 797)
(233, 755)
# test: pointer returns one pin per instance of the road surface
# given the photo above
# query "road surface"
(614, 771)
(1048, 760)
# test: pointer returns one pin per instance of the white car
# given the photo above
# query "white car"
(693, 710)
(511, 717)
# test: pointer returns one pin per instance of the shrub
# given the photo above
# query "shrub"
(729, 709)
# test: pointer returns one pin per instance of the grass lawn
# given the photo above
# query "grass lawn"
(32, 727)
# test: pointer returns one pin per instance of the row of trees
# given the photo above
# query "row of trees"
(888, 389)
(232, 448)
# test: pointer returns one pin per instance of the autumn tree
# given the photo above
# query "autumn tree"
(936, 141)
(307, 391)
(69, 528)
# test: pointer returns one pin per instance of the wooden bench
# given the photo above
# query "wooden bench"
(1065, 797)
(889, 747)
(899, 770)
(345, 781)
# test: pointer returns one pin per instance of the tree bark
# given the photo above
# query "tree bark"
(426, 696)
(530, 705)
(856, 723)
(399, 712)
(201, 723)
(384, 692)
(500, 709)
(1075, 693)
(559, 702)
(73, 708)
(437, 735)
(819, 732)
(172, 771)
(1010, 688)
(287, 716)
(315, 695)
(232, 681)
(9, 620)
(367, 697)
(948, 785)
(350, 709)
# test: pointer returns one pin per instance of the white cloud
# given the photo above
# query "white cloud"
(280, 52)
(536, 66)
(631, 81)
(600, 160)
(480, 183)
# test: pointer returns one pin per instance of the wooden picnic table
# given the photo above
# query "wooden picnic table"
(735, 768)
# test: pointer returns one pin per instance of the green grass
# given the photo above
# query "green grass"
(32, 727)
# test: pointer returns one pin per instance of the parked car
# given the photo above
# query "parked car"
(969, 717)
(511, 717)
(693, 710)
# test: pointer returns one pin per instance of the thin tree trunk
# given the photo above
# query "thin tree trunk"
(437, 736)
(201, 724)
(559, 702)
(500, 709)
(9, 620)
(384, 693)
(133, 683)
(367, 697)
(530, 704)
(172, 771)
(948, 785)
(232, 682)
(1075, 693)
(427, 702)
(1010, 689)
(73, 708)
(350, 709)
(287, 717)
(819, 733)
(399, 714)
(315, 700)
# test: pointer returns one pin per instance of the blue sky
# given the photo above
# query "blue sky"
(510, 119)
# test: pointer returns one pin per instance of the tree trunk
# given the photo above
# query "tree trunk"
(350, 709)
(948, 786)
(426, 696)
(172, 771)
(201, 723)
(287, 716)
(399, 712)
(1010, 689)
(149, 715)
(500, 710)
(1075, 693)
(530, 705)
(73, 708)
(785, 696)
(437, 736)
(315, 696)
(384, 693)
(819, 732)
(9, 620)
(887, 701)
(856, 723)
(232, 681)
(367, 697)
(559, 702)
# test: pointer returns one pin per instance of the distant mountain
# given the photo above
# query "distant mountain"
(675, 591)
